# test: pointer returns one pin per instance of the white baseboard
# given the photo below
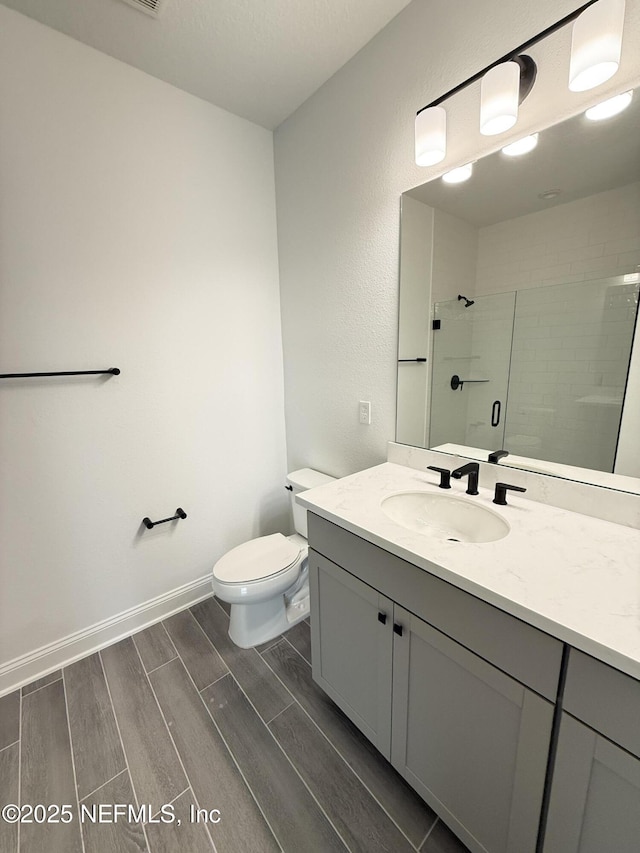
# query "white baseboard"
(46, 659)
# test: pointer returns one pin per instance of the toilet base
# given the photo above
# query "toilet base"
(253, 624)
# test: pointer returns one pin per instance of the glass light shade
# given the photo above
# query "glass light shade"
(610, 107)
(457, 176)
(521, 146)
(499, 98)
(596, 43)
(431, 136)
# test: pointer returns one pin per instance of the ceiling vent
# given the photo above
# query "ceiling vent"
(151, 7)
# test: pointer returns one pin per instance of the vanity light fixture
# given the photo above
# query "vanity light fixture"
(431, 136)
(503, 89)
(521, 146)
(610, 107)
(595, 56)
(457, 176)
(596, 42)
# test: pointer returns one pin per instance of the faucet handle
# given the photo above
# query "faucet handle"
(497, 455)
(445, 476)
(501, 492)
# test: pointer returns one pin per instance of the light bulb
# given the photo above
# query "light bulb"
(431, 136)
(521, 146)
(610, 107)
(596, 42)
(457, 176)
(499, 95)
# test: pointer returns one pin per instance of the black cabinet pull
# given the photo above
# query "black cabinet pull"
(397, 629)
(289, 488)
(495, 413)
(382, 617)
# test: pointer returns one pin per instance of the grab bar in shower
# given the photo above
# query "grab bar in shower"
(114, 371)
(180, 513)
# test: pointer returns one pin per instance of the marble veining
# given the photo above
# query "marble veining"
(571, 575)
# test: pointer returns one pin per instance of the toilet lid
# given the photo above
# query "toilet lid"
(257, 559)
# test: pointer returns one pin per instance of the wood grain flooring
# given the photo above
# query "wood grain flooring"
(47, 770)
(97, 750)
(177, 716)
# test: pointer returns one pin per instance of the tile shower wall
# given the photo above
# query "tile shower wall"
(594, 238)
(591, 238)
(571, 350)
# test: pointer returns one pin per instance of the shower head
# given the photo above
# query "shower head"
(467, 302)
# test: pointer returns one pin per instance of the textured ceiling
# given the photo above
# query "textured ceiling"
(259, 59)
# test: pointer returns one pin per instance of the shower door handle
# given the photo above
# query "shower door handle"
(495, 413)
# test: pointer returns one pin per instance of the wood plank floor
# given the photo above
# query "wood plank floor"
(178, 717)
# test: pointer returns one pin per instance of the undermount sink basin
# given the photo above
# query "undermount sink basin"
(444, 517)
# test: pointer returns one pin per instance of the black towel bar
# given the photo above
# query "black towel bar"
(180, 513)
(114, 371)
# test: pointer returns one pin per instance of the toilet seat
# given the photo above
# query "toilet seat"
(256, 560)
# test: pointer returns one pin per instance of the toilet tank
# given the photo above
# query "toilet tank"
(300, 481)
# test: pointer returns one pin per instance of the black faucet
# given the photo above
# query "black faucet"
(501, 492)
(445, 474)
(497, 454)
(473, 470)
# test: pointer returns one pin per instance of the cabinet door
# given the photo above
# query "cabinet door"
(351, 636)
(472, 741)
(595, 795)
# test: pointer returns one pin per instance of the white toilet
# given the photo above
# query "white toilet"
(266, 580)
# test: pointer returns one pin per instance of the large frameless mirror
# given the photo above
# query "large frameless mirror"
(518, 307)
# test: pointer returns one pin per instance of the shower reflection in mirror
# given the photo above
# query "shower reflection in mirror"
(528, 276)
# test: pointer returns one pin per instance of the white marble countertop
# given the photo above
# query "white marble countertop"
(571, 575)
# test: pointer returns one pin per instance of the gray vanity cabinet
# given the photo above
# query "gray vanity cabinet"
(472, 741)
(595, 791)
(468, 736)
(352, 657)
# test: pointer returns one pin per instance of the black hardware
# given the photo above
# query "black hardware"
(456, 382)
(412, 359)
(495, 413)
(435, 325)
(114, 371)
(445, 476)
(467, 302)
(497, 454)
(501, 492)
(472, 469)
(514, 55)
(382, 617)
(397, 629)
(289, 488)
(180, 513)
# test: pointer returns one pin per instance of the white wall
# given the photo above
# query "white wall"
(137, 230)
(343, 160)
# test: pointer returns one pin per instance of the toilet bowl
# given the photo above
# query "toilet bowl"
(265, 580)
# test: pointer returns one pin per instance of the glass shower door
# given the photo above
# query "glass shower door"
(470, 371)
(571, 350)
